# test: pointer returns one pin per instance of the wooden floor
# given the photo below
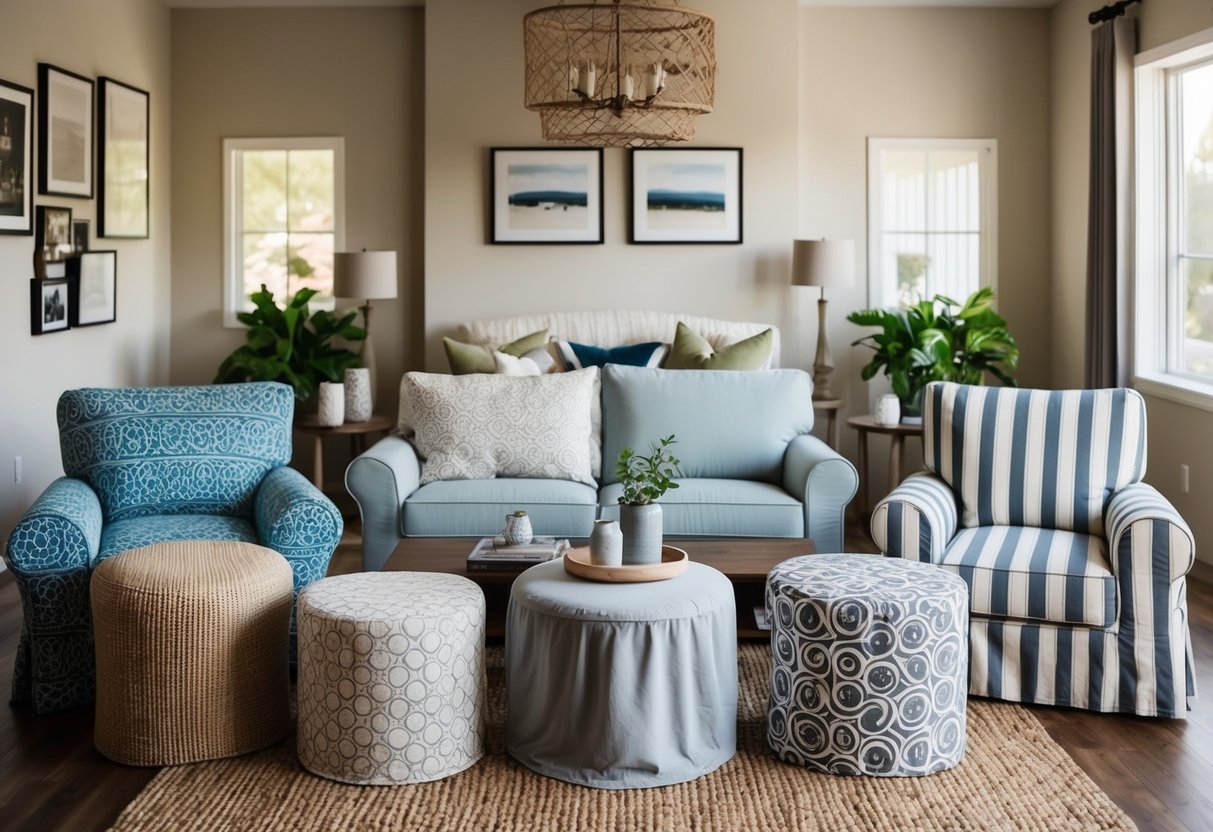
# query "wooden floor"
(1159, 771)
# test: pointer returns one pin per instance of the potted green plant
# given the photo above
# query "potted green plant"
(645, 478)
(937, 340)
(290, 345)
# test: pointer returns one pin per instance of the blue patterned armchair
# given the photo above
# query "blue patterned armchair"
(1076, 569)
(146, 465)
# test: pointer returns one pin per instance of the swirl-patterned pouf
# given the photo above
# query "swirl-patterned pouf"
(869, 665)
(391, 677)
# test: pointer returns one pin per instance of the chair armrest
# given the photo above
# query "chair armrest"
(60, 532)
(825, 481)
(380, 480)
(917, 519)
(1145, 532)
(295, 519)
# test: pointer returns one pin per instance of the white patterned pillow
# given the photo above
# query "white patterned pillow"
(485, 426)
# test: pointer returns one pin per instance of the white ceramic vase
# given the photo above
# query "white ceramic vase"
(331, 410)
(888, 410)
(517, 530)
(357, 394)
(606, 544)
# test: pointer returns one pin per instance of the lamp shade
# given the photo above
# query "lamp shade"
(823, 263)
(364, 274)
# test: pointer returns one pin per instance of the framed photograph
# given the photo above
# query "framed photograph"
(65, 133)
(93, 288)
(122, 113)
(54, 233)
(80, 232)
(546, 195)
(48, 306)
(16, 158)
(686, 195)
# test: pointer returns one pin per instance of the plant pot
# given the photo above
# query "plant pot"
(911, 408)
(641, 527)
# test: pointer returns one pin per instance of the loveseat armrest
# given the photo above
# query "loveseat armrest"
(380, 480)
(825, 481)
(60, 532)
(917, 519)
(1145, 532)
(295, 519)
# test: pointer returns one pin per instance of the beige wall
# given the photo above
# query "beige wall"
(355, 73)
(903, 73)
(474, 77)
(127, 40)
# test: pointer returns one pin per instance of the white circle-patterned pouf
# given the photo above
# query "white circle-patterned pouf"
(391, 677)
(869, 671)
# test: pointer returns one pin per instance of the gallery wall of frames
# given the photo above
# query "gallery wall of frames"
(85, 139)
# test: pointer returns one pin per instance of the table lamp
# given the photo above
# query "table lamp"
(370, 275)
(823, 263)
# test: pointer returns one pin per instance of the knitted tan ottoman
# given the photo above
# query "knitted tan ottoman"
(391, 677)
(191, 644)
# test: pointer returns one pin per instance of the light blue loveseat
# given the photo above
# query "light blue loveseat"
(146, 465)
(750, 468)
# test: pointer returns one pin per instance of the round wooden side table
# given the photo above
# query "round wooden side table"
(897, 434)
(356, 431)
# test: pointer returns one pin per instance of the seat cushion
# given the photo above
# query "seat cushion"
(466, 508)
(1042, 574)
(122, 535)
(721, 508)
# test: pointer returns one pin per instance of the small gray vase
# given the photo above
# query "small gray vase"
(606, 544)
(641, 527)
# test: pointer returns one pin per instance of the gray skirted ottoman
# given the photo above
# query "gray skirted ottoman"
(621, 686)
(869, 665)
(391, 677)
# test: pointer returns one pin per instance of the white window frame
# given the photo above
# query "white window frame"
(987, 211)
(234, 300)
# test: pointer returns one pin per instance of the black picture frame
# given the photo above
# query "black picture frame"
(93, 288)
(80, 236)
(53, 233)
(16, 159)
(124, 160)
(673, 193)
(537, 172)
(49, 305)
(65, 133)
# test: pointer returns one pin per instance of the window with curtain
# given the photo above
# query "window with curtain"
(931, 218)
(1173, 275)
(284, 218)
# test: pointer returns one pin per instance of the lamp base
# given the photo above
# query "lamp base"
(823, 366)
(367, 352)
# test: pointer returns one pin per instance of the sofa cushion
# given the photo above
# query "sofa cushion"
(719, 507)
(481, 426)
(1030, 573)
(123, 535)
(458, 508)
(729, 425)
(691, 351)
(478, 358)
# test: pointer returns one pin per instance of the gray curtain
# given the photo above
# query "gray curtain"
(1109, 226)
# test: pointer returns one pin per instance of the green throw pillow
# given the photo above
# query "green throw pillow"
(691, 351)
(477, 358)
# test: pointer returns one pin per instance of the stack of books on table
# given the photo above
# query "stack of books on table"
(492, 555)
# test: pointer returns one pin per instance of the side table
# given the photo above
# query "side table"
(831, 408)
(356, 431)
(897, 434)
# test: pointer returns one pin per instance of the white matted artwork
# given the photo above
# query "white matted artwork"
(94, 288)
(546, 195)
(123, 114)
(65, 132)
(686, 195)
(49, 306)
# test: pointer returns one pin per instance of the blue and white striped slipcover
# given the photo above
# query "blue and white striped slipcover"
(1076, 569)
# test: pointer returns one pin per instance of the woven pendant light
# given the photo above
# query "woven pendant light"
(617, 73)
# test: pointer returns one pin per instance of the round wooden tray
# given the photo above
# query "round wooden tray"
(673, 563)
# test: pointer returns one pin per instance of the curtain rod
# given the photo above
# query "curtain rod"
(1110, 12)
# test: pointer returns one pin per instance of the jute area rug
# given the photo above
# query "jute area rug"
(1013, 777)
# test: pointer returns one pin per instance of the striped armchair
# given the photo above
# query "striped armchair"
(1076, 569)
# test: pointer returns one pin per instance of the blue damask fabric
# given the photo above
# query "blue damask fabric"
(147, 465)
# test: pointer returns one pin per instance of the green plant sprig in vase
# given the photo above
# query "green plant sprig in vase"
(645, 478)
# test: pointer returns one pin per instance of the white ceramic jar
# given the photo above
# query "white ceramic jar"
(888, 410)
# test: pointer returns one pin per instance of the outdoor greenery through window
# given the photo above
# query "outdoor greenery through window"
(1192, 269)
(931, 218)
(284, 218)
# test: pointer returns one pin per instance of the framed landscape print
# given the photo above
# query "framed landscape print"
(546, 195)
(54, 233)
(16, 156)
(686, 195)
(122, 113)
(65, 133)
(48, 303)
(93, 288)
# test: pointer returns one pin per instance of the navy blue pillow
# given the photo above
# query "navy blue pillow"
(578, 356)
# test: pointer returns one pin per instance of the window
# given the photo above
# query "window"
(931, 218)
(283, 218)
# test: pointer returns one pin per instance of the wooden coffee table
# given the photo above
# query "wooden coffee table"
(744, 561)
